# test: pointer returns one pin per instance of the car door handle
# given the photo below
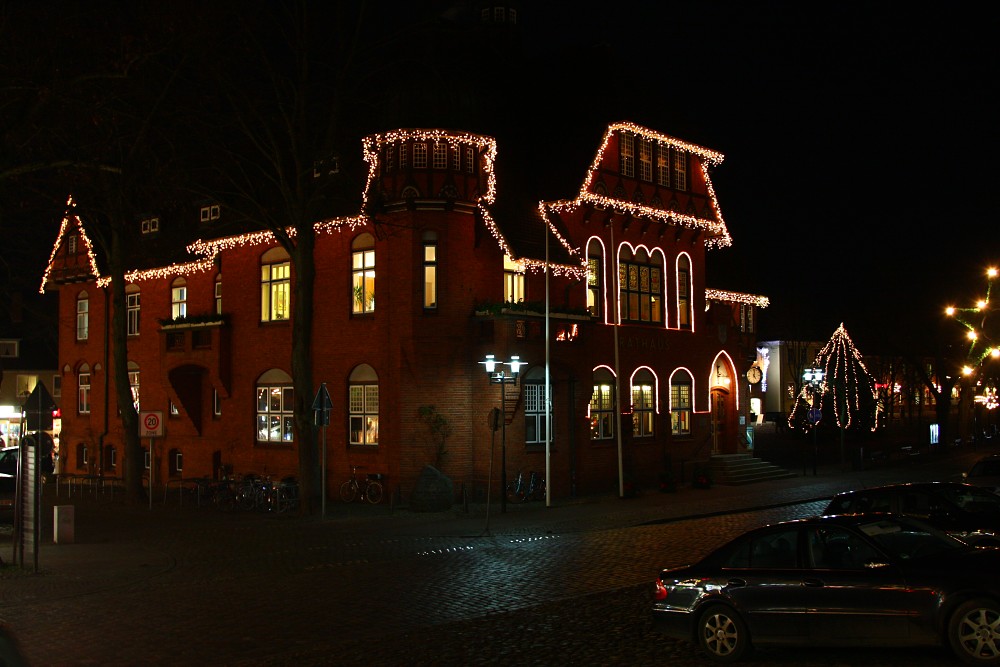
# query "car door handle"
(812, 583)
(736, 583)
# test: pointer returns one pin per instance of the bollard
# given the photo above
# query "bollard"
(63, 522)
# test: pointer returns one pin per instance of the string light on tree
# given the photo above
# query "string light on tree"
(981, 326)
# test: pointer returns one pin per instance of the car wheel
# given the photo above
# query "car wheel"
(974, 632)
(723, 635)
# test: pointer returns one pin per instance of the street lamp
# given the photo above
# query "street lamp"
(494, 369)
(813, 378)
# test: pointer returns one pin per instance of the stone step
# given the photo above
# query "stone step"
(737, 469)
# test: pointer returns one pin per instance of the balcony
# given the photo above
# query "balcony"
(202, 340)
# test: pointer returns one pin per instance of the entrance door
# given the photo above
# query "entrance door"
(719, 421)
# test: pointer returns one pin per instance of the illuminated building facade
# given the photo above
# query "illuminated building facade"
(439, 269)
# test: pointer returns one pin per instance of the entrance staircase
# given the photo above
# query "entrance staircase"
(736, 469)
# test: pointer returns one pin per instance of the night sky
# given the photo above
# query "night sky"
(860, 179)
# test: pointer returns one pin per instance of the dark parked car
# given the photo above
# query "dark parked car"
(964, 511)
(858, 580)
(8, 457)
(985, 473)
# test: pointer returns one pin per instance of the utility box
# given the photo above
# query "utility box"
(62, 524)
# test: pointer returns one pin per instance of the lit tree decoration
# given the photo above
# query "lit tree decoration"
(979, 326)
(847, 395)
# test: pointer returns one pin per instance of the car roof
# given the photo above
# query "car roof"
(920, 486)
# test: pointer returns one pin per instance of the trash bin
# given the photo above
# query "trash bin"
(62, 524)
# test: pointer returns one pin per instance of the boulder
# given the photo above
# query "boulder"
(434, 492)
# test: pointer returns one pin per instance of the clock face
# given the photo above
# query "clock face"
(754, 374)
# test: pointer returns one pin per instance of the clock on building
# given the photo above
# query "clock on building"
(754, 375)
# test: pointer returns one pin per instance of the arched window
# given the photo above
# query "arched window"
(595, 278)
(680, 403)
(602, 405)
(643, 403)
(178, 298)
(684, 292)
(82, 316)
(132, 310)
(275, 407)
(363, 274)
(275, 285)
(641, 287)
(362, 400)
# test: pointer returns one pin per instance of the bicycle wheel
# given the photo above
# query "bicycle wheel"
(374, 492)
(349, 491)
(515, 493)
(246, 497)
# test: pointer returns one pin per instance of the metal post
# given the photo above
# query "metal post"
(503, 444)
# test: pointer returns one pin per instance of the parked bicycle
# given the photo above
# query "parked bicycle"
(369, 488)
(522, 488)
(287, 495)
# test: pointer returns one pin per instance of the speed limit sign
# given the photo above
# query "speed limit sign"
(151, 424)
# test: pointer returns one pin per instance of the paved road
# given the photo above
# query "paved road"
(545, 586)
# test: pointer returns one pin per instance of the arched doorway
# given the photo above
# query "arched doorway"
(722, 409)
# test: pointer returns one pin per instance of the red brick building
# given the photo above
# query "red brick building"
(443, 269)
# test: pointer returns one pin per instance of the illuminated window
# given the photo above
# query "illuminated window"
(178, 298)
(627, 153)
(83, 391)
(594, 274)
(645, 159)
(430, 274)
(641, 288)
(440, 155)
(82, 316)
(25, 384)
(133, 383)
(663, 165)
(218, 294)
(680, 170)
(513, 281)
(680, 404)
(419, 155)
(132, 310)
(275, 406)
(362, 398)
(643, 404)
(275, 286)
(363, 274)
(602, 406)
(684, 292)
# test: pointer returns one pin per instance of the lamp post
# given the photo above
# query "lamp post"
(813, 378)
(497, 375)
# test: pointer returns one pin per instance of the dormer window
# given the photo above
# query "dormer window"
(440, 155)
(419, 155)
(627, 153)
(150, 226)
(645, 159)
(680, 170)
(210, 213)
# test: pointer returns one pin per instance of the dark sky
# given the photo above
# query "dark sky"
(859, 184)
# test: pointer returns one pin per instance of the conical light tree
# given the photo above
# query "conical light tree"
(846, 395)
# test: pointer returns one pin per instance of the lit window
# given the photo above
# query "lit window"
(602, 406)
(178, 299)
(275, 286)
(641, 290)
(83, 394)
(132, 311)
(627, 153)
(646, 159)
(275, 417)
(362, 398)
(595, 279)
(534, 412)
(82, 316)
(419, 155)
(513, 281)
(643, 405)
(133, 384)
(680, 404)
(680, 170)
(363, 274)
(430, 275)
(663, 165)
(25, 384)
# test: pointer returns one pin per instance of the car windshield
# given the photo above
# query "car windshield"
(908, 539)
(987, 468)
(973, 499)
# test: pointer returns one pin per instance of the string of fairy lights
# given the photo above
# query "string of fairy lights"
(975, 319)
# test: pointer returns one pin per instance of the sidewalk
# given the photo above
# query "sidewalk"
(114, 543)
